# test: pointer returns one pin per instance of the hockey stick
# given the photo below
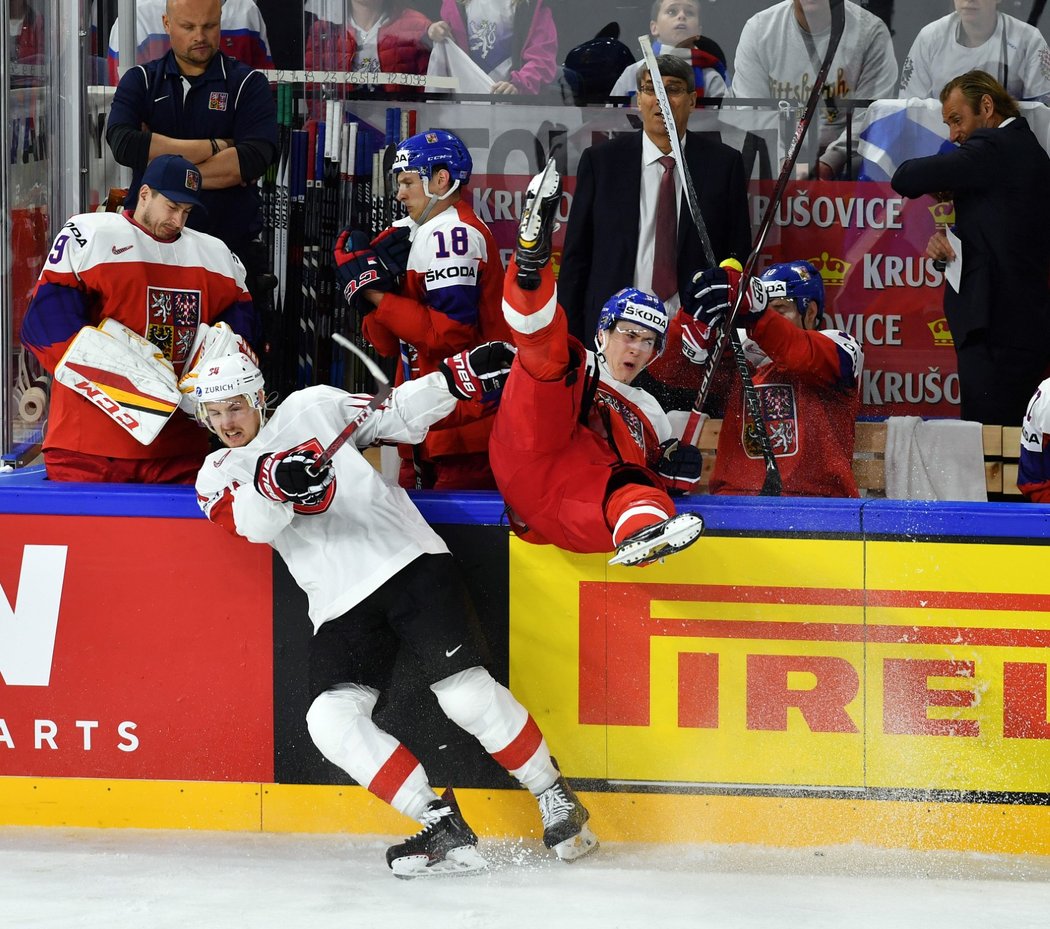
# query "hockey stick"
(771, 484)
(377, 401)
(838, 22)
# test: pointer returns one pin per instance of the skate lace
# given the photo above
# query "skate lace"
(554, 805)
(431, 818)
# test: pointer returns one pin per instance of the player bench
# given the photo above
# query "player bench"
(1001, 450)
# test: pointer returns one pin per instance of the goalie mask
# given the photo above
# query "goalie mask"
(226, 379)
(637, 308)
(426, 152)
(798, 281)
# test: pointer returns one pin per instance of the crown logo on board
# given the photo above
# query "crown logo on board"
(942, 335)
(832, 270)
(943, 213)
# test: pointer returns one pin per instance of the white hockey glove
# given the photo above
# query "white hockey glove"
(124, 375)
(291, 476)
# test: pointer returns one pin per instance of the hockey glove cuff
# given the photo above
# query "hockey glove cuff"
(697, 339)
(479, 373)
(357, 266)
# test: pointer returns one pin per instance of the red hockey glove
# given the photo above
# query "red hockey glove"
(290, 475)
(479, 373)
(357, 266)
(680, 465)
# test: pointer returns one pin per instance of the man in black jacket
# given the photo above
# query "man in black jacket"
(612, 228)
(999, 177)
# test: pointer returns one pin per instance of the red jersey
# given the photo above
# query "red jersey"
(451, 299)
(808, 383)
(105, 265)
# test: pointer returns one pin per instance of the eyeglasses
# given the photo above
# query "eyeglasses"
(636, 338)
(673, 90)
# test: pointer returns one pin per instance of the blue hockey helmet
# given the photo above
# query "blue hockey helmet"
(435, 148)
(636, 307)
(797, 280)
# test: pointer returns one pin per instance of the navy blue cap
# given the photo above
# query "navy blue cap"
(176, 178)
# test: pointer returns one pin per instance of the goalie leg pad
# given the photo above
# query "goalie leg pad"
(134, 388)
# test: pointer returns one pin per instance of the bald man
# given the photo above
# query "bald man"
(211, 109)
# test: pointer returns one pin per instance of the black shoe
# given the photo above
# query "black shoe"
(445, 844)
(565, 826)
(663, 538)
(533, 251)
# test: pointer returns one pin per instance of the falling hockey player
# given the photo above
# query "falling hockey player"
(583, 459)
(378, 578)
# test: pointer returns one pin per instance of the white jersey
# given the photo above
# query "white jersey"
(777, 59)
(365, 530)
(1015, 54)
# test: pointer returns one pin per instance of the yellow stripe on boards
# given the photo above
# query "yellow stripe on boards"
(797, 822)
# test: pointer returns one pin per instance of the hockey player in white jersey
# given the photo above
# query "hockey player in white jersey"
(378, 578)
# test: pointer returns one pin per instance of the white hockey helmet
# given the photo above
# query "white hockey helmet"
(226, 378)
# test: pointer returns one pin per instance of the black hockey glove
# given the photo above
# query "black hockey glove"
(392, 246)
(680, 465)
(357, 266)
(290, 475)
(479, 373)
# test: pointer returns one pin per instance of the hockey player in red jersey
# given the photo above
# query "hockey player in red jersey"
(143, 274)
(378, 579)
(584, 460)
(807, 378)
(446, 300)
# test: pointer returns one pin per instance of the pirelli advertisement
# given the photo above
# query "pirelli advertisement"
(782, 651)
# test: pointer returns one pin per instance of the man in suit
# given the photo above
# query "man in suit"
(611, 239)
(999, 176)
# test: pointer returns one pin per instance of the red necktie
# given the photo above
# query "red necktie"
(665, 257)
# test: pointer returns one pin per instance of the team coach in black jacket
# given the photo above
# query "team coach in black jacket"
(999, 177)
(603, 252)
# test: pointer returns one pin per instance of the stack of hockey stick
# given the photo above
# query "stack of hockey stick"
(331, 172)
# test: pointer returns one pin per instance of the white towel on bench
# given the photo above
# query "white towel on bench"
(942, 459)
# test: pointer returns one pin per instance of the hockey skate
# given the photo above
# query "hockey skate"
(565, 826)
(663, 538)
(540, 205)
(445, 844)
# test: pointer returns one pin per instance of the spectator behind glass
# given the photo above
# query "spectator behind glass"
(780, 52)
(515, 42)
(26, 36)
(807, 377)
(243, 35)
(978, 36)
(382, 35)
(675, 28)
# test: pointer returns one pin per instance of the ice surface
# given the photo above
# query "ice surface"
(132, 879)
